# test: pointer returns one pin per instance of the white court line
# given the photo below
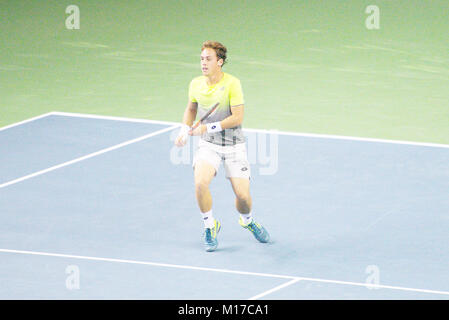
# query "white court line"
(91, 155)
(375, 286)
(155, 264)
(329, 136)
(167, 265)
(282, 286)
(26, 121)
(310, 135)
(94, 116)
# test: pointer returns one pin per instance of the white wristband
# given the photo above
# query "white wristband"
(214, 127)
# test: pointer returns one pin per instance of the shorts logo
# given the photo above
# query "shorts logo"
(213, 127)
(244, 168)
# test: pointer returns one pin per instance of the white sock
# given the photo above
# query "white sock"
(208, 219)
(247, 218)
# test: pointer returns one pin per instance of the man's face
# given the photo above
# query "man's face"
(210, 64)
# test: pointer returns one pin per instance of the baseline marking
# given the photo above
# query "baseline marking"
(293, 279)
(26, 121)
(91, 155)
(310, 135)
(95, 116)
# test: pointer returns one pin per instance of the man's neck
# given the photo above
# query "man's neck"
(214, 78)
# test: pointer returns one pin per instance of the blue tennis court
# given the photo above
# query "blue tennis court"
(104, 208)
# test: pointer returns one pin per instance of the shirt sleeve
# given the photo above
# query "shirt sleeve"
(235, 93)
(192, 92)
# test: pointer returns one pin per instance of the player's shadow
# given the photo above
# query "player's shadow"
(235, 248)
(229, 248)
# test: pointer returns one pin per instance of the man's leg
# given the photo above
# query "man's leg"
(204, 172)
(243, 203)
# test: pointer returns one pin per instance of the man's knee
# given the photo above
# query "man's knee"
(201, 186)
(243, 196)
(204, 173)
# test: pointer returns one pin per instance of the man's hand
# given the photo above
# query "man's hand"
(181, 139)
(199, 131)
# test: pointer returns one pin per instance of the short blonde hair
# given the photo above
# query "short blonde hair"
(219, 49)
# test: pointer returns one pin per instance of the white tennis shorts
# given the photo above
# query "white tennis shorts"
(235, 159)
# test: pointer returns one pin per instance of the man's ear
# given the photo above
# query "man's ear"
(220, 62)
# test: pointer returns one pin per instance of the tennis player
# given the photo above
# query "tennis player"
(222, 141)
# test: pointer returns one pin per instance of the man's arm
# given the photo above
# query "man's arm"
(187, 120)
(235, 119)
(190, 113)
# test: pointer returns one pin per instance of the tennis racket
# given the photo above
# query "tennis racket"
(208, 113)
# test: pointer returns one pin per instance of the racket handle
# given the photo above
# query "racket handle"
(195, 125)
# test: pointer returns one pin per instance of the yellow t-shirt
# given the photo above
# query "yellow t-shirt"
(228, 92)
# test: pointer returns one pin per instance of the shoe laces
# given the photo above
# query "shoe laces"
(208, 233)
(253, 227)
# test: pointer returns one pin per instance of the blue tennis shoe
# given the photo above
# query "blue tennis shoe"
(210, 236)
(259, 232)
